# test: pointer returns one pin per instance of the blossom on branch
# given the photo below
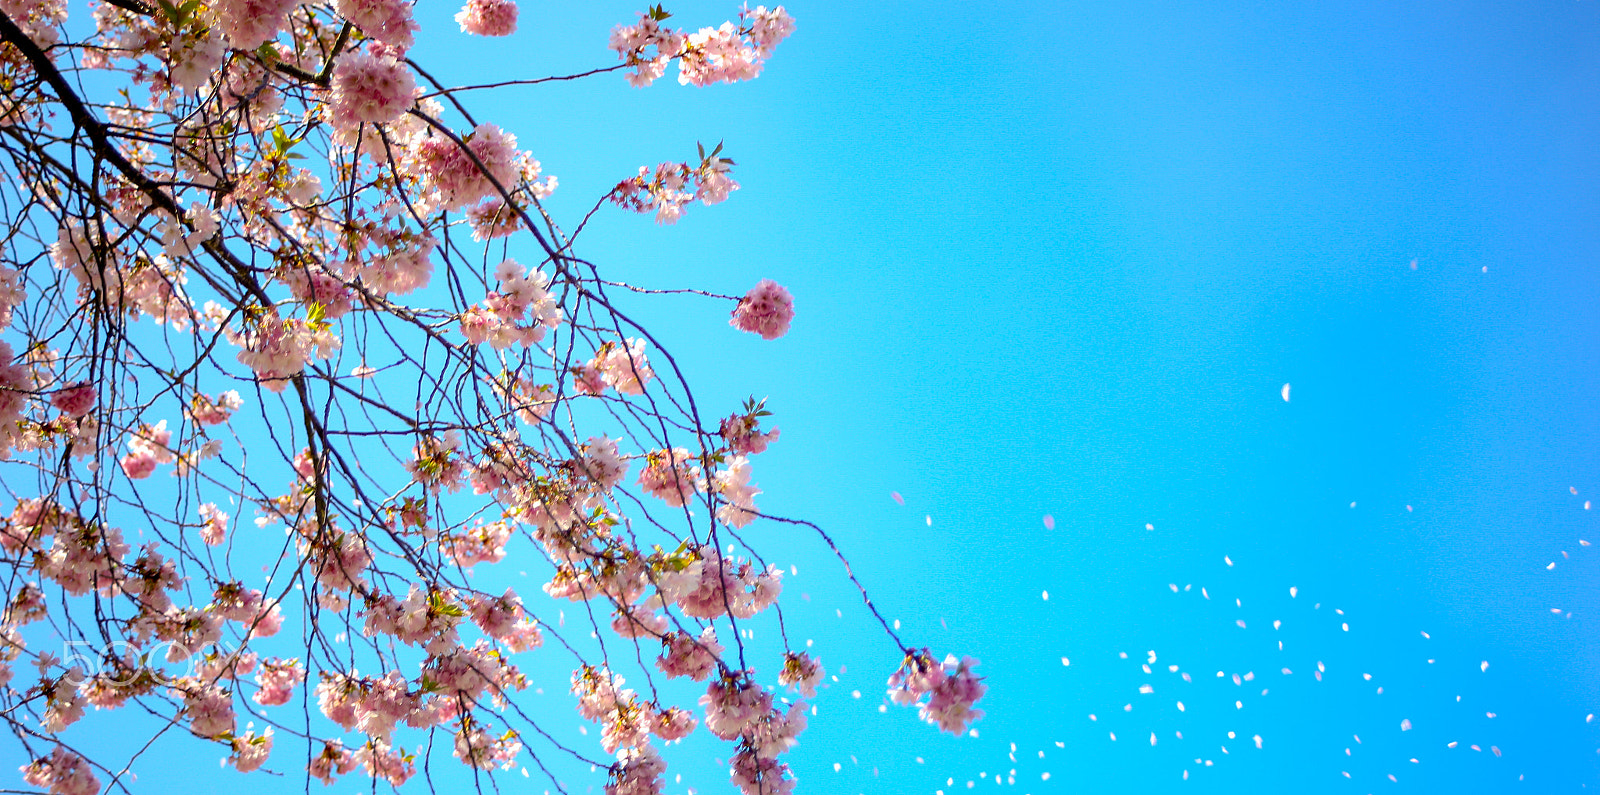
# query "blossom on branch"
(488, 17)
(245, 242)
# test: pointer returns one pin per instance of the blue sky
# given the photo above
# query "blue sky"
(1060, 259)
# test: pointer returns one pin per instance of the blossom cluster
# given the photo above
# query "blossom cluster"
(488, 17)
(950, 689)
(724, 54)
(370, 85)
(61, 773)
(519, 312)
(767, 309)
(669, 187)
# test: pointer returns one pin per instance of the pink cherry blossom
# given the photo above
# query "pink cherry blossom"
(766, 310)
(333, 761)
(493, 219)
(647, 47)
(62, 773)
(369, 86)
(64, 701)
(754, 774)
(673, 724)
(13, 291)
(448, 168)
(208, 707)
(278, 348)
(637, 772)
(743, 435)
(951, 689)
(277, 680)
(388, 21)
(669, 476)
(76, 400)
(695, 658)
(385, 762)
(214, 411)
(248, 24)
(27, 606)
(250, 752)
(802, 671)
(732, 483)
(488, 17)
(624, 367)
(733, 705)
(214, 524)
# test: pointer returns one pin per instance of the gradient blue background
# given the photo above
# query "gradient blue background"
(1059, 259)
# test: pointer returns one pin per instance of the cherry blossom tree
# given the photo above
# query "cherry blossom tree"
(273, 388)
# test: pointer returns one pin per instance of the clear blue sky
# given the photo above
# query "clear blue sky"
(1060, 259)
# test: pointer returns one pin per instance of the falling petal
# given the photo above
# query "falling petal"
(1286, 393)
(1049, 522)
(897, 498)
